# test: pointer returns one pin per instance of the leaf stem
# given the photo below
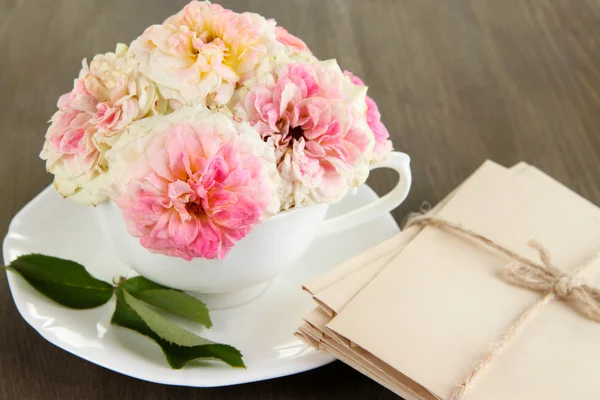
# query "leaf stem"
(8, 268)
(118, 280)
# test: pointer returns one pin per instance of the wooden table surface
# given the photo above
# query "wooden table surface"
(456, 81)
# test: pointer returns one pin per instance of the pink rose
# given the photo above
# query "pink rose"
(191, 184)
(315, 120)
(383, 145)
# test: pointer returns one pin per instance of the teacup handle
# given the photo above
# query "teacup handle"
(397, 161)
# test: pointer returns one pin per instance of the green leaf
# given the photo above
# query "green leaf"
(177, 303)
(66, 282)
(164, 328)
(139, 284)
(171, 300)
(178, 345)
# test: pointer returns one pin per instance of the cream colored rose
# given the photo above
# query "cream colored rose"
(198, 55)
(108, 95)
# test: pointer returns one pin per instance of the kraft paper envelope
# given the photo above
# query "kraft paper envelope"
(333, 290)
(365, 363)
(313, 334)
(334, 297)
(440, 303)
(351, 359)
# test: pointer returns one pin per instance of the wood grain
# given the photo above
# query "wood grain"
(456, 82)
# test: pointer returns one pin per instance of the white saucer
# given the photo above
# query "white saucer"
(262, 329)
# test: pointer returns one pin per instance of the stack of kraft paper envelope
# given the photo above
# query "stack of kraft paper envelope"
(429, 314)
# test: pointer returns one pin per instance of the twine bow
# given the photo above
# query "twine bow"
(545, 278)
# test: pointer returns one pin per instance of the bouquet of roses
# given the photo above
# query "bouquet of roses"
(207, 125)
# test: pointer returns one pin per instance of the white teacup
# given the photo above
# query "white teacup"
(256, 259)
